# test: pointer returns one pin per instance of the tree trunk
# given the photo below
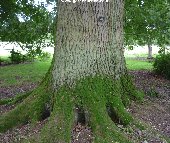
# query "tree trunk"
(149, 51)
(89, 41)
(87, 76)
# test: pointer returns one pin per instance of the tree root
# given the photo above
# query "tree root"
(61, 122)
(17, 99)
(96, 93)
(31, 109)
(93, 94)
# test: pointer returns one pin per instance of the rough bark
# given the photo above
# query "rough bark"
(89, 41)
(88, 72)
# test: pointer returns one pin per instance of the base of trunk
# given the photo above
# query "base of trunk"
(97, 101)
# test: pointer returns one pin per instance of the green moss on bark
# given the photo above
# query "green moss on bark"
(58, 129)
(129, 90)
(31, 109)
(93, 94)
(18, 98)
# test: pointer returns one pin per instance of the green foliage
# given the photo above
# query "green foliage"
(130, 47)
(147, 22)
(16, 57)
(162, 65)
(44, 56)
(1, 60)
(4, 60)
(31, 52)
(164, 50)
(36, 25)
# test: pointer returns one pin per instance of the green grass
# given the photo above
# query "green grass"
(16, 75)
(138, 65)
(23, 73)
(142, 55)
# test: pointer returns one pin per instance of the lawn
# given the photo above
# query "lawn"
(139, 64)
(33, 72)
(22, 73)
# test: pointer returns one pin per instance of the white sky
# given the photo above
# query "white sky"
(48, 6)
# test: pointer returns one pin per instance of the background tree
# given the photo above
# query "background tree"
(27, 24)
(147, 23)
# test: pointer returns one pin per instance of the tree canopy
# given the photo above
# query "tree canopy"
(147, 22)
(25, 23)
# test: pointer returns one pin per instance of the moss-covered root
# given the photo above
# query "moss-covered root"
(118, 112)
(18, 98)
(32, 108)
(94, 94)
(104, 129)
(58, 129)
(129, 90)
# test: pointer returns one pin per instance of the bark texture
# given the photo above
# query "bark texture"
(89, 40)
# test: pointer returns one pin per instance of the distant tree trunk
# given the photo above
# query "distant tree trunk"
(87, 75)
(149, 51)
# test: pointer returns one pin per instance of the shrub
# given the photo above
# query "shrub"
(16, 57)
(162, 65)
(44, 56)
(31, 55)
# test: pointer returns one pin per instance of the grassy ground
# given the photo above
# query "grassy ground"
(33, 72)
(139, 64)
(22, 73)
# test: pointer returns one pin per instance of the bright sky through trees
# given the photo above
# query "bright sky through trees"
(44, 4)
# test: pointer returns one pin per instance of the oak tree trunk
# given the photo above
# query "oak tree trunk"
(87, 81)
(89, 41)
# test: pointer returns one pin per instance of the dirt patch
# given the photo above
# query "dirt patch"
(155, 110)
(11, 91)
(6, 108)
(82, 134)
(21, 133)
